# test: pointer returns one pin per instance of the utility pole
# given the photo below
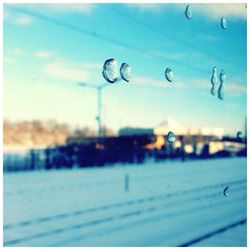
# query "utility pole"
(99, 115)
(99, 89)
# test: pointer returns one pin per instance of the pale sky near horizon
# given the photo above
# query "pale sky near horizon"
(48, 48)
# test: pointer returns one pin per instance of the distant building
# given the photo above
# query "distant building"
(136, 131)
(177, 128)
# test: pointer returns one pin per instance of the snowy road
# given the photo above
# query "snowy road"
(168, 204)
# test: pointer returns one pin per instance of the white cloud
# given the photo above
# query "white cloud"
(8, 60)
(236, 88)
(155, 82)
(68, 70)
(146, 6)
(6, 15)
(232, 87)
(218, 10)
(17, 20)
(22, 20)
(42, 54)
(19, 52)
(210, 10)
(67, 7)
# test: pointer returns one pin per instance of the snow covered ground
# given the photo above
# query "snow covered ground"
(169, 203)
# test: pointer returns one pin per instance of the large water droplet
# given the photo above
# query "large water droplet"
(125, 72)
(189, 12)
(239, 135)
(223, 23)
(169, 74)
(110, 70)
(214, 81)
(171, 137)
(225, 191)
(221, 89)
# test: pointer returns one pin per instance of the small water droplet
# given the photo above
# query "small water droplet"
(225, 191)
(125, 72)
(189, 12)
(239, 135)
(214, 81)
(169, 74)
(223, 23)
(110, 70)
(221, 89)
(171, 137)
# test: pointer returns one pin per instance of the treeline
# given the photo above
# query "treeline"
(41, 133)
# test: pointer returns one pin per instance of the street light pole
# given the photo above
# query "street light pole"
(99, 116)
(99, 103)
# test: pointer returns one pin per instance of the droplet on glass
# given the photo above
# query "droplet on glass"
(125, 72)
(221, 89)
(223, 23)
(213, 91)
(223, 76)
(171, 137)
(188, 12)
(169, 74)
(110, 70)
(239, 135)
(214, 81)
(225, 191)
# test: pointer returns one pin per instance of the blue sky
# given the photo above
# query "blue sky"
(45, 56)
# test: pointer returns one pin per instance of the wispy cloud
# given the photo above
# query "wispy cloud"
(19, 52)
(147, 6)
(66, 71)
(155, 82)
(65, 7)
(8, 60)
(218, 10)
(234, 88)
(22, 20)
(43, 54)
(72, 71)
(17, 19)
(210, 10)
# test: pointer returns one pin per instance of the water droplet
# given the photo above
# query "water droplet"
(213, 91)
(188, 12)
(169, 74)
(214, 81)
(171, 137)
(221, 89)
(125, 72)
(225, 191)
(223, 23)
(110, 70)
(223, 76)
(239, 135)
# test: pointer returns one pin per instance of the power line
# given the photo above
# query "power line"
(116, 42)
(160, 31)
